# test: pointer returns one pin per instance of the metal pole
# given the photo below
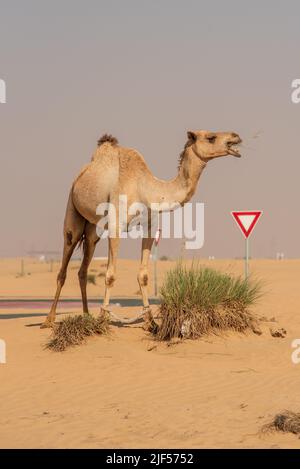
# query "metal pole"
(247, 259)
(155, 268)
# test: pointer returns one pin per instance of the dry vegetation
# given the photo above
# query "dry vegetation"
(197, 301)
(74, 329)
(285, 421)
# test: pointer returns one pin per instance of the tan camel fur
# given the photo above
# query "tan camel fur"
(115, 170)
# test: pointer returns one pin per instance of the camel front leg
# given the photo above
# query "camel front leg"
(143, 275)
(143, 279)
(113, 246)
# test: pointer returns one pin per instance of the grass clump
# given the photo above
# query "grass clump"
(286, 421)
(198, 301)
(73, 330)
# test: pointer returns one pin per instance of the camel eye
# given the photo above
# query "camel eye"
(212, 139)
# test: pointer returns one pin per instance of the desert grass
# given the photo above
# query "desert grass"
(285, 421)
(73, 330)
(198, 301)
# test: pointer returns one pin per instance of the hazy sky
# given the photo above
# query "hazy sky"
(147, 71)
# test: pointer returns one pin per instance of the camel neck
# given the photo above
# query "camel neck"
(190, 170)
(178, 190)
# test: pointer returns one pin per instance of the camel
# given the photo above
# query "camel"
(115, 170)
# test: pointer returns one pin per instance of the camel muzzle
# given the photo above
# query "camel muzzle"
(233, 148)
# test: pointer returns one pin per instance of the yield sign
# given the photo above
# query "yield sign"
(247, 220)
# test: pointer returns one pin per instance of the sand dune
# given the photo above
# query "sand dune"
(128, 391)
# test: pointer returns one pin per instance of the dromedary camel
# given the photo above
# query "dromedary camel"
(116, 170)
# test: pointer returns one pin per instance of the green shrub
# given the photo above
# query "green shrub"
(197, 301)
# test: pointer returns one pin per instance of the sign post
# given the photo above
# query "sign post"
(156, 241)
(246, 221)
(247, 258)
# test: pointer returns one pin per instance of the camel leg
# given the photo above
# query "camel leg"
(113, 246)
(73, 230)
(67, 254)
(143, 274)
(143, 277)
(89, 246)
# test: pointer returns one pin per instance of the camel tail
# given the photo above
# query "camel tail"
(108, 138)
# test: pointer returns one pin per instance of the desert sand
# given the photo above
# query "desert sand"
(127, 390)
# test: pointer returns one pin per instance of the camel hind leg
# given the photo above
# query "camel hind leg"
(89, 245)
(73, 230)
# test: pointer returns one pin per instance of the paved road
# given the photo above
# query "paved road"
(33, 304)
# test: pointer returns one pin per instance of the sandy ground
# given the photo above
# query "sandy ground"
(128, 391)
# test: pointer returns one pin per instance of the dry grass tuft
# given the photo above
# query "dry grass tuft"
(74, 329)
(285, 421)
(198, 301)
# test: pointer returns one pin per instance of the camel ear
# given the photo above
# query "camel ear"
(191, 135)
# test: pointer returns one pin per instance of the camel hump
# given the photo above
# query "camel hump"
(107, 138)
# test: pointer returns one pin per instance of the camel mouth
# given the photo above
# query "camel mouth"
(233, 149)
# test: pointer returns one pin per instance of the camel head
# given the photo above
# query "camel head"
(208, 145)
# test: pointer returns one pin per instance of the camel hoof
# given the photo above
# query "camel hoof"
(150, 325)
(106, 312)
(46, 325)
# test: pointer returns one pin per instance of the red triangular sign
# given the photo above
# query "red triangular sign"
(247, 220)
